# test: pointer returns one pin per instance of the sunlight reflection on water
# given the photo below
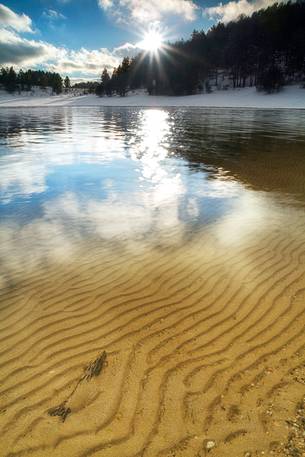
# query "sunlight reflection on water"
(125, 175)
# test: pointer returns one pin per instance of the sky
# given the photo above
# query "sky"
(79, 38)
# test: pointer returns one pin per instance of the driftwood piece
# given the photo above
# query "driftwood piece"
(93, 369)
(61, 410)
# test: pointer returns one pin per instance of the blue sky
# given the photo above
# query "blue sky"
(80, 37)
(87, 25)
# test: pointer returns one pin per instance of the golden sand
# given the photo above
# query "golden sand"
(204, 340)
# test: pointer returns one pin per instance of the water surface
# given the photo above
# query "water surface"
(174, 240)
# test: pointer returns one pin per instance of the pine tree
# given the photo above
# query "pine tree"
(271, 79)
(105, 78)
(122, 75)
(104, 87)
(106, 83)
(56, 83)
(67, 83)
(11, 81)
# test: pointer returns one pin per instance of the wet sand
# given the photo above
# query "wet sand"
(203, 343)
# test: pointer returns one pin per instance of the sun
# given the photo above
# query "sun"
(152, 41)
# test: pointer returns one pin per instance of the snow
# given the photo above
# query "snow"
(290, 97)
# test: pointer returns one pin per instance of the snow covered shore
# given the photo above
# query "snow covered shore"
(289, 97)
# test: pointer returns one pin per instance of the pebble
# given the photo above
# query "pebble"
(247, 454)
(210, 444)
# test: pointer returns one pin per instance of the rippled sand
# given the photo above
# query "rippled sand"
(203, 331)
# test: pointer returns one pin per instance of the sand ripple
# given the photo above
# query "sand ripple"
(203, 344)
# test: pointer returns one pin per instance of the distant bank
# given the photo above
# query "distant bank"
(289, 97)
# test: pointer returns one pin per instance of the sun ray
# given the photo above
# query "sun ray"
(152, 41)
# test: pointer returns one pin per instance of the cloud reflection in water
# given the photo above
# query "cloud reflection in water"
(108, 175)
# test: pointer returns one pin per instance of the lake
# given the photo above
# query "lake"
(173, 240)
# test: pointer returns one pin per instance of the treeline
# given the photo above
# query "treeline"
(87, 86)
(122, 79)
(25, 80)
(264, 50)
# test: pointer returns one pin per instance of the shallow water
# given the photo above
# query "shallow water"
(171, 238)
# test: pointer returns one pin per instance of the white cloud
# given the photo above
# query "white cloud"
(126, 47)
(53, 15)
(25, 53)
(127, 50)
(106, 4)
(84, 61)
(231, 11)
(144, 11)
(15, 50)
(21, 52)
(18, 22)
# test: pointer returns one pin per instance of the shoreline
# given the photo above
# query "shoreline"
(291, 97)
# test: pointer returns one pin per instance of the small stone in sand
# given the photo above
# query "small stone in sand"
(210, 444)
